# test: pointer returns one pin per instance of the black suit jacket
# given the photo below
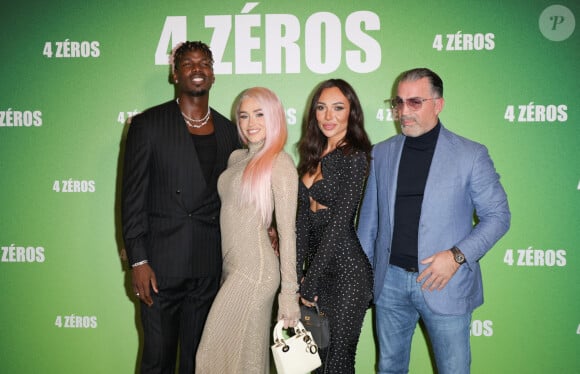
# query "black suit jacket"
(170, 213)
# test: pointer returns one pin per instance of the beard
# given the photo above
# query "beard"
(198, 92)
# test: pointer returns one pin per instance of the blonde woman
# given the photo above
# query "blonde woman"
(259, 186)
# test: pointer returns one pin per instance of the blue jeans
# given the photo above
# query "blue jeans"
(398, 309)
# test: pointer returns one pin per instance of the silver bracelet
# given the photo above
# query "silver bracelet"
(139, 263)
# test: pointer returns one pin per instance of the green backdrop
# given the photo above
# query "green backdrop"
(72, 75)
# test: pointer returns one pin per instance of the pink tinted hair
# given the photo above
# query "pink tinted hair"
(256, 187)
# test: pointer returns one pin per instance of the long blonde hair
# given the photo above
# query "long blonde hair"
(256, 186)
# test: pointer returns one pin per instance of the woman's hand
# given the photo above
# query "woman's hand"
(309, 303)
(290, 323)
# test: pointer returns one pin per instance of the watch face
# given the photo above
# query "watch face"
(458, 256)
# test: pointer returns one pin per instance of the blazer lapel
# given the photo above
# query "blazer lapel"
(192, 182)
(223, 141)
(443, 159)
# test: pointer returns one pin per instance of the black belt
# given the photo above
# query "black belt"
(408, 269)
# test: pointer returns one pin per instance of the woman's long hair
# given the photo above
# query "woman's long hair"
(313, 141)
(256, 186)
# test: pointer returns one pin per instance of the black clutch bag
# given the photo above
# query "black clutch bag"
(317, 323)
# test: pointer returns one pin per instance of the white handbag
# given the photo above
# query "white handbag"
(297, 354)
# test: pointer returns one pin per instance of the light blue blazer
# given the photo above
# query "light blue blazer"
(462, 181)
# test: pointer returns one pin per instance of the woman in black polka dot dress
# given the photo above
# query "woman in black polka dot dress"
(335, 272)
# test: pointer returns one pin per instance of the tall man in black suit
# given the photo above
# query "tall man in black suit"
(170, 211)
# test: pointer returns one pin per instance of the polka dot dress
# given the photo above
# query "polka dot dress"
(330, 257)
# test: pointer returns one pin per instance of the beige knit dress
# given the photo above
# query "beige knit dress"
(236, 336)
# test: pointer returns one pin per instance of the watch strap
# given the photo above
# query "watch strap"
(458, 256)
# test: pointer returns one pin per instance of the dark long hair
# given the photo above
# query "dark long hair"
(313, 141)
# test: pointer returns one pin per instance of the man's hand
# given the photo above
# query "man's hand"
(442, 267)
(143, 280)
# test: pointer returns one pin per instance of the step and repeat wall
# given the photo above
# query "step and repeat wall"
(74, 73)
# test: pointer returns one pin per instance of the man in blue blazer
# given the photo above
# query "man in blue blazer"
(416, 225)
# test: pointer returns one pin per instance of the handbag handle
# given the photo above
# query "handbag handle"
(277, 333)
(299, 330)
(315, 305)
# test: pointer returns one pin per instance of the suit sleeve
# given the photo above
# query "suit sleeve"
(369, 214)
(135, 189)
(343, 212)
(491, 207)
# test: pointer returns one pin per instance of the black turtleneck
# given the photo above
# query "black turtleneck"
(413, 171)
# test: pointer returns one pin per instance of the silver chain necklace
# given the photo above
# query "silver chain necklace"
(192, 122)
